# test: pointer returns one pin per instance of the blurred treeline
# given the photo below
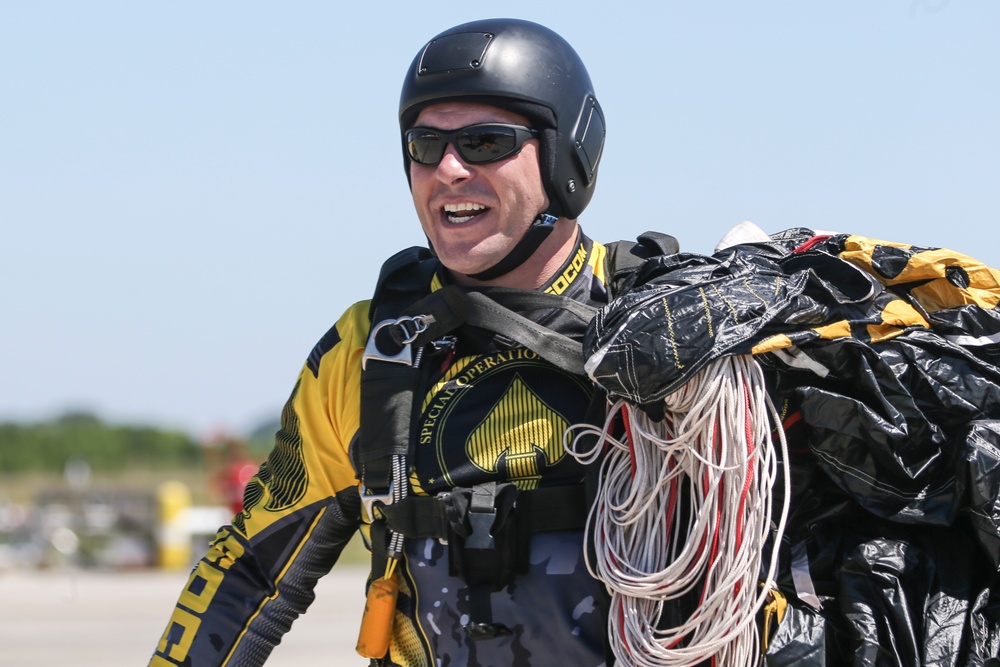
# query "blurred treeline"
(48, 447)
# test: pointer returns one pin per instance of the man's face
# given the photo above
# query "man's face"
(474, 214)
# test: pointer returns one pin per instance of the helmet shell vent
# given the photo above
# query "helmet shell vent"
(462, 51)
(589, 139)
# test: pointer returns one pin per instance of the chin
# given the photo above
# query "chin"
(463, 265)
(463, 268)
(468, 261)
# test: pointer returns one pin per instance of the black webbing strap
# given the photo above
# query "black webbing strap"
(625, 257)
(521, 300)
(387, 393)
(555, 508)
(491, 309)
(546, 509)
(386, 429)
(557, 349)
(379, 535)
(481, 625)
(403, 279)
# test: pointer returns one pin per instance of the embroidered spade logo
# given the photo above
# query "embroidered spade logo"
(519, 435)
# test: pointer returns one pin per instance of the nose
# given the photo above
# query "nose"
(452, 169)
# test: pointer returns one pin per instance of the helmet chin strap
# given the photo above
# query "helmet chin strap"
(525, 248)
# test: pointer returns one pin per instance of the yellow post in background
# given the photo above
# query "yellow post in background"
(174, 534)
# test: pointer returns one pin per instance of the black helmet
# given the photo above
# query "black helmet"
(526, 68)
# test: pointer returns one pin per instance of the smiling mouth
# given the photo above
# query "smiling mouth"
(458, 214)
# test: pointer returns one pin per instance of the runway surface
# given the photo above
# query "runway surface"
(112, 619)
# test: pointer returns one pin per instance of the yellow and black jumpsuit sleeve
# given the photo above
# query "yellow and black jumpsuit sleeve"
(300, 510)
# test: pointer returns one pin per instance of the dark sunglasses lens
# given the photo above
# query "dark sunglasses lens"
(425, 147)
(486, 144)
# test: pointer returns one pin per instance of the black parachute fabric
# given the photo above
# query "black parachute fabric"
(883, 358)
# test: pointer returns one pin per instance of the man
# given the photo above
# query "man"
(432, 417)
(502, 135)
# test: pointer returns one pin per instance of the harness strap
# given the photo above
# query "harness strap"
(386, 431)
(625, 257)
(386, 396)
(493, 309)
(481, 625)
(555, 348)
(516, 299)
(543, 510)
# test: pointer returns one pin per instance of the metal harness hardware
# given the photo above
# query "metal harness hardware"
(410, 328)
(368, 500)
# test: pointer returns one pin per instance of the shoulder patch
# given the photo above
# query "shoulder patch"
(325, 344)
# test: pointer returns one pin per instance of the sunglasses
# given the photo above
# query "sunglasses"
(477, 144)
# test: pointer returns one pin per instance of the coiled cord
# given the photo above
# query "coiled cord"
(684, 506)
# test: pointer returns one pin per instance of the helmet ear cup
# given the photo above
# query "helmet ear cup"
(583, 157)
(526, 68)
(589, 138)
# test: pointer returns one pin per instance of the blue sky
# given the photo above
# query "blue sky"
(192, 192)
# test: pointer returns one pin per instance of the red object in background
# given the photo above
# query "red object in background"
(235, 479)
(233, 466)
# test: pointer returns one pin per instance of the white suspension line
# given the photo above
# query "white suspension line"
(684, 507)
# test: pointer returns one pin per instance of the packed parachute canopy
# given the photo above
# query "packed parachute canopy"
(882, 359)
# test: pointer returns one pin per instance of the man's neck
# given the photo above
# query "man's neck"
(543, 264)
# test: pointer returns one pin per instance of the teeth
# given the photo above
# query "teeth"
(452, 209)
(467, 206)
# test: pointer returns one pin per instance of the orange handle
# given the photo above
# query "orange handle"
(376, 624)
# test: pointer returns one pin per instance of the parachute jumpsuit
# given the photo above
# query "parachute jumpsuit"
(494, 411)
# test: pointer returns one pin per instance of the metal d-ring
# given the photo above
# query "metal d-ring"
(411, 326)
